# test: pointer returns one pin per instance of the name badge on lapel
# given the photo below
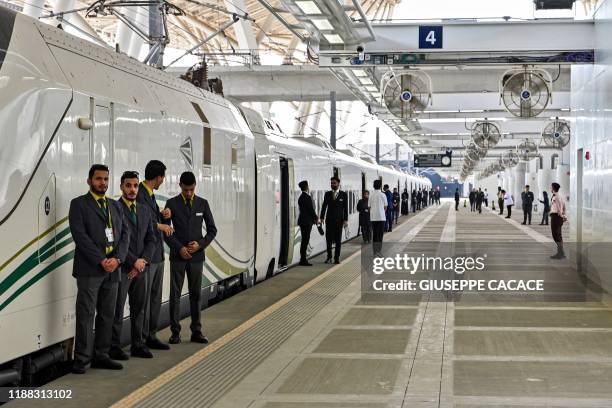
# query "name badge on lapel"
(199, 214)
(110, 237)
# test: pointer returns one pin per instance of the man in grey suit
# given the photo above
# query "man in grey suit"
(187, 247)
(155, 173)
(134, 273)
(101, 238)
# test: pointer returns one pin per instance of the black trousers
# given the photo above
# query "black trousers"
(178, 270)
(527, 214)
(137, 289)
(366, 231)
(472, 206)
(556, 225)
(378, 231)
(456, 205)
(305, 230)
(486, 200)
(96, 299)
(155, 280)
(333, 235)
(545, 217)
(500, 202)
(509, 207)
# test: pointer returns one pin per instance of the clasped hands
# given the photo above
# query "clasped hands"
(191, 247)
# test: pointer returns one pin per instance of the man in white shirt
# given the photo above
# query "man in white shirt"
(378, 211)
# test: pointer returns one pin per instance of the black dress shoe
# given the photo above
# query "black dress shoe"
(106, 364)
(78, 368)
(117, 354)
(305, 263)
(141, 352)
(328, 261)
(199, 338)
(156, 344)
(337, 261)
(175, 339)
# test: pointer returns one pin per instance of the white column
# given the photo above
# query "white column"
(290, 50)
(302, 117)
(64, 5)
(315, 118)
(124, 33)
(142, 22)
(519, 183)
(243, 29)
(34, 8)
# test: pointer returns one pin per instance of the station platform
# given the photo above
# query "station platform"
(308, 338)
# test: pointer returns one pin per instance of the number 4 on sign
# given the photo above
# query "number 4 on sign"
(431, 37)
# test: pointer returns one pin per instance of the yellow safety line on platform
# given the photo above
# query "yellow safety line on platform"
(155, 384)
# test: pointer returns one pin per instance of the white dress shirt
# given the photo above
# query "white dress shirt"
(377, 202)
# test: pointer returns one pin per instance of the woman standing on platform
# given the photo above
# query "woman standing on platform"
(405, 197)
(557, 218)
(546, 209)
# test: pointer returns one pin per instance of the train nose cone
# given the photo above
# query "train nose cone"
(7, 20)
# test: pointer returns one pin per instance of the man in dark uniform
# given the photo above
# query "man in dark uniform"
(187, 247)
(134, 273)
(306, 219)
(335, 213)
(101, 238)
(155, 173)
(419, 197)
(527, 199)
(413, 201)
(472, 198)
(457, 199)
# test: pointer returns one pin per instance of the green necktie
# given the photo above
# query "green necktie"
(102, 203)
(133, 214)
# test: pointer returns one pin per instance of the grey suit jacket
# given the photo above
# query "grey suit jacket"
(142, 236)
(87, 225)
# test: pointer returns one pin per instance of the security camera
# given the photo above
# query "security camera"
(361, 52)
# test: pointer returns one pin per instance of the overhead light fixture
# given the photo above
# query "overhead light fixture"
(322, 24)
(371, 88)
(360, 72)
(333, 38)
(366, 81)
(308, 7)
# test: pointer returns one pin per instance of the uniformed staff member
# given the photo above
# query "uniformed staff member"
(306, 219)
(187, 246)
(527, 200)
(155, 173)
(134, 273)
(101, 238)
(335, 213)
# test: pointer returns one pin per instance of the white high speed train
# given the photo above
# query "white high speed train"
(66, 104)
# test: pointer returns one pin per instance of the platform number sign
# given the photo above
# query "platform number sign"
(430, 36)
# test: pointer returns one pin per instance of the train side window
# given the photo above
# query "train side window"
(234, 155)
(207, 148)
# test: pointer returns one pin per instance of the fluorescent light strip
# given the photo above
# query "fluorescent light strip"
(308, 7)
(333, 38)
(322, 24)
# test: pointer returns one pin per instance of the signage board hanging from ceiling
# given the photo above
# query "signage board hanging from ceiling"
(433, 160)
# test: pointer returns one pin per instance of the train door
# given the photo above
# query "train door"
(101, 141)
(363, 183)
(287, 212)
(579, 209)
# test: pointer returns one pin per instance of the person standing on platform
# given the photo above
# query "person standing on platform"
(378, 216)
(479, 200)
(557, 218)
(363, 207)
(546, 208)
(396, 205)
(472, 198)
(486, 198)
(527, 199)
(389, 196)
(334, 212)
(457, 199)
(419, 197)
(155, 174)
(508, 202)
(189, 214)
(405, 202)
(101, 238)
(438, 197)
(306, 219)
(134, 273)
(413, 201)
(500, 200)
